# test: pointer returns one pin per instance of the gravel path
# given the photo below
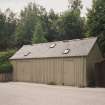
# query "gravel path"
(35, 94)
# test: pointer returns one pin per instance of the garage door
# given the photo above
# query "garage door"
(69, 72)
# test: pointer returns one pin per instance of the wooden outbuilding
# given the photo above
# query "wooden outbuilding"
(69, 62)
(100, 73)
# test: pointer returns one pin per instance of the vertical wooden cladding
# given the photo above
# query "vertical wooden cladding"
(69, 71)
(93, 58)
(48, 70)
(22, 70)
(75, 71)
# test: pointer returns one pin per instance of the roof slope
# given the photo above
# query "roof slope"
(77, 48)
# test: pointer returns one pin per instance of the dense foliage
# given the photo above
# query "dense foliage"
(36, 25)
(7, 29)
(5, 65)
(96, 22)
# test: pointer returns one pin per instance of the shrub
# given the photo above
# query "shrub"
(52, 83)
(5, 68)
(4, 56)
(62, 83)
(5, 65)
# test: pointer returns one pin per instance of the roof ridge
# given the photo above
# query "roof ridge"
(77, 39)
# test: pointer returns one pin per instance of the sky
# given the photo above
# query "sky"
(57, 5)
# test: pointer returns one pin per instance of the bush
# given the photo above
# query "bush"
(5, 65)
(4, 56)
(51, 83)
(5, 68)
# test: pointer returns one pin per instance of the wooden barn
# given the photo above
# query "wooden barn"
(68, 62)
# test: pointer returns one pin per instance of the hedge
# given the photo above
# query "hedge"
(5, 68)
(5, 65)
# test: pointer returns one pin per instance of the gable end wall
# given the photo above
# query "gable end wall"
(93, 57)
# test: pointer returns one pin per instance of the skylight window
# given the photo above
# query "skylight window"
(27, 54)
(66, 51)
(53, 45)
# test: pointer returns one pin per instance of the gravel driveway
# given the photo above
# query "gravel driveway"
(35, 94)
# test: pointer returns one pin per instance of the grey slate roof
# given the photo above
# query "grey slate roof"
(77, 48)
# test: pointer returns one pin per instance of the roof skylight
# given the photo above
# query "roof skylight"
(53, 45)
(66, 51)
(27, 54)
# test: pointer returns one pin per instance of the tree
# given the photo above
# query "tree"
(51, 26)
(7, 29)
(75, 5)
(10, 27)
(96, 22)
(2, 30)
(26, 27)
(39, 34)
(34, 21)
(72, 22)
